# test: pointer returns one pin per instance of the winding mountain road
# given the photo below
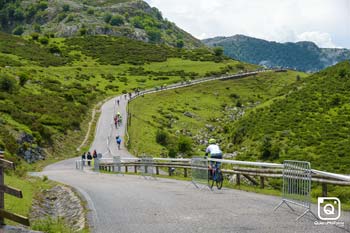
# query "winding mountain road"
(135, 204)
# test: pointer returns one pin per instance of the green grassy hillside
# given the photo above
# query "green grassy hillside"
(48, 89)
(270, 117)
(311, 123)
(181, 121)
(131, 18)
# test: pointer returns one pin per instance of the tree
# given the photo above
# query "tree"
(218, 51)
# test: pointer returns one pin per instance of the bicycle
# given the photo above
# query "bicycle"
(215, 176)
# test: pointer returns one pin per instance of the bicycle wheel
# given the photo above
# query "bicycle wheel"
(219, 180)
(213, 179)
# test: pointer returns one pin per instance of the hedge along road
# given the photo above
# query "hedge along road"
(134, 204)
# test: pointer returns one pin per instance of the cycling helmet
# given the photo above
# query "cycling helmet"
(212, 141)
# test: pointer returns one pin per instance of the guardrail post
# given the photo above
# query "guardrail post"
(135, 167)
(157, 170)
(185, 172)
(126, 168)
(324, 190)
(262, 184)
(238, 179)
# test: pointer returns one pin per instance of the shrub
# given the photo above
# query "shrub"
(107, 17)
(185, 144)
(44, 40)
(35, 36)
(218, 51)
(162, 137)
(65, 7)
(18, 30)
(23, 78)
(117, 20)
(90, 11)
(7, 83)
(53, 48)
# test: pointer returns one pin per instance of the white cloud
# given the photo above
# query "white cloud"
(322, 39)
(323, 21)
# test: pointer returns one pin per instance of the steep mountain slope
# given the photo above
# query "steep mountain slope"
(132, 18)
(49, 85)
(304, 56)
(310, 123)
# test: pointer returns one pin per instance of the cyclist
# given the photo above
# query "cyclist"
(119, 141)
(118, 102)
(214, 151)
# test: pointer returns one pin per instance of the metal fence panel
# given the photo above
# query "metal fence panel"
(117, 164)
(297, 185)
(199, 169)
(147, 166)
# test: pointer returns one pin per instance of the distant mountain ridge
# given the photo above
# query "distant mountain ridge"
(130, 18)
(304, 56)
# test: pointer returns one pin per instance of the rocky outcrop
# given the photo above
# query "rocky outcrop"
(29, 150)
(59, 202)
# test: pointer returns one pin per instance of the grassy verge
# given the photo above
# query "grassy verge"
(29, 187)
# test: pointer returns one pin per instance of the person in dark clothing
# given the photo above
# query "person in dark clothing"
(94, 154)
(83, 157)
(89, 157)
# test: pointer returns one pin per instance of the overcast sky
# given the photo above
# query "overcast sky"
(325, 22)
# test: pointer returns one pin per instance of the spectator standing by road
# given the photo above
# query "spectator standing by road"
(83, 157)
(89, 158)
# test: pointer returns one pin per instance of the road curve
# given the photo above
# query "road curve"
(135, 204)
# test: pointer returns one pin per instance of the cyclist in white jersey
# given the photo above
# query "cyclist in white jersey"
(214, 151)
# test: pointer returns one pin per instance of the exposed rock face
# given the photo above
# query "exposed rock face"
(29, 150)
(60, 202)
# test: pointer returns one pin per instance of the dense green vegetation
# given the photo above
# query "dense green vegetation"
(305, 56)
(133, 19)
(28, 51)
(119, 50)
(311, 123)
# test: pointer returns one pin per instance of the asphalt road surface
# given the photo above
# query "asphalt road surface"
(136, 204)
